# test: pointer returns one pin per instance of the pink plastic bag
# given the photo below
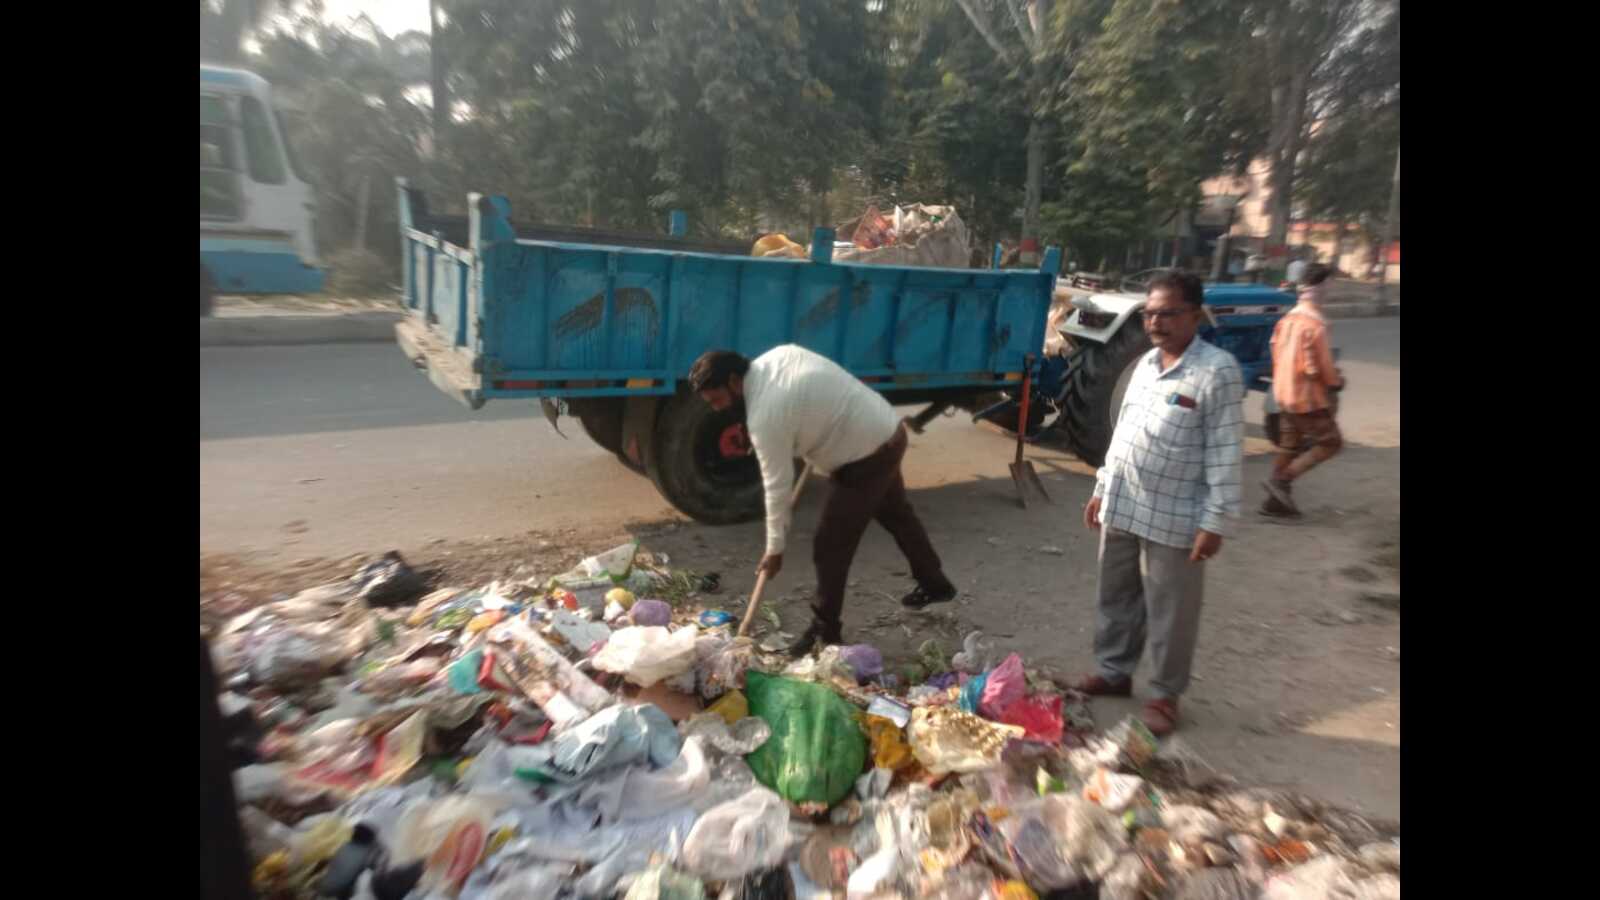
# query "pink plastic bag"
(1005, 686)
(1039, 715)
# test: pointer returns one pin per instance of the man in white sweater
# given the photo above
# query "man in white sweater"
(796, 403)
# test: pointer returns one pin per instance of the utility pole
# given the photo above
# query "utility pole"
(1388, 237)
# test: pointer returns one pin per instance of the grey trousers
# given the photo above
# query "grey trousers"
(1147, 586)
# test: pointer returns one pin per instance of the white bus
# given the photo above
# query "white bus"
(256, 209)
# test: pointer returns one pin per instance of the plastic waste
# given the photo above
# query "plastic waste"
(893, 710)
(1039, 716)
(972, 693)
(545, 676)
(973, 655)
(662, 882)
(816, 751)
(747, 834)
(1324, 878)
(731, 706)
(651, 612)
(616, 562)
(721, 661)
(354, 858)
(1111, 791)
(950, 740)
(263, 834)
(287, 658)
(739, 739)
(615, 736)
(1062, 840)
(713, 618)
(865, 659)
(581, 633)
(889, 748)
(388, 581)
(1004, 686)
(1012, 890)
(1193, 825)
(620, 596)
(402, 677)
(449, 834)
(648, 654)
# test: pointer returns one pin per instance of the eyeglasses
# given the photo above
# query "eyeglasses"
(1164, 315)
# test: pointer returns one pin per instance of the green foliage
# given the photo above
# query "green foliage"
(759, 115)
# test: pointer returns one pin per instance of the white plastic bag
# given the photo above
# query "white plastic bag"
(616, 562)
(1112, 791)
(647, 654)
(749, 833)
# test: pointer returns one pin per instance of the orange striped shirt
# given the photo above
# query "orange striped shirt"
(1302, 362)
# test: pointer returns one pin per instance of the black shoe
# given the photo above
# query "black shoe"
(1279, 491)
(1272, 508)
(819, 633)
(922, 597)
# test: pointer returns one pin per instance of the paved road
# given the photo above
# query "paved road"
(346, 448)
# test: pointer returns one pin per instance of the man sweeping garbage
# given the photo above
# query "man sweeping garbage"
(1163, 500)
(795, 403)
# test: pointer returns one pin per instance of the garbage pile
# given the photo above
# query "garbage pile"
(915, 235)
(582, 736)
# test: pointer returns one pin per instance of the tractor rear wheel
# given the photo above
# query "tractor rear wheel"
(1097, 378)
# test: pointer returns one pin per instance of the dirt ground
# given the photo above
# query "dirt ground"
(1297, 676)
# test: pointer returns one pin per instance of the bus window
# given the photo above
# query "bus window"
(288, 146)
(260, 146)
(219, 187)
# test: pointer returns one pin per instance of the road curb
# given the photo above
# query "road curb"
(252, 331)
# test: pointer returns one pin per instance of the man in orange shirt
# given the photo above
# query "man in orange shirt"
(1303, 375)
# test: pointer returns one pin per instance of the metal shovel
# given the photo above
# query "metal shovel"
(1021, 469)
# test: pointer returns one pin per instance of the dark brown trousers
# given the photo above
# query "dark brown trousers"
(867, 489)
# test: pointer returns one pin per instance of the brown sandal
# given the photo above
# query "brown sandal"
(1161, 717)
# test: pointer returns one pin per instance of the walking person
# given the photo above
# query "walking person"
(796, 403)
(1164, 500)
(1305, 381)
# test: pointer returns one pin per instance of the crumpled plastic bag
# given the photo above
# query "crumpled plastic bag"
(972, 693)
(288, 658)
(616, 562)
(1004, 686)
(1039, 716)
(662, 882)
(648, 654)
(742, 738)
(865, 659)
(1111, 791)
(950, 740)
(632, 793)
(816, 751)
(450, 835)
(747, 834)
(614, 736)
(578, 631)
(974, 653)
(889, 748)
(656, 613)
(1062, 840)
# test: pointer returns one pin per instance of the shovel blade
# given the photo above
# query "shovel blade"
(1027, 481)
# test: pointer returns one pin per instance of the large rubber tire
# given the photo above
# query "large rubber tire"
(208, 293)
(601, 418)
(1092, 375)
(691, 470)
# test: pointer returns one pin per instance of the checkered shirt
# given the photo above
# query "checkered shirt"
(1173, 467)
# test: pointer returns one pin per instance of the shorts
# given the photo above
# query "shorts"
(1302, 431)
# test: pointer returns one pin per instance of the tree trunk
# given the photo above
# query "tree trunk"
(1031, 194)
(363, 197)
(440, 88)
(1292, 112)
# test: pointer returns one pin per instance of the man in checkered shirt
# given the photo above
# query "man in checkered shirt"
(1165, 497)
